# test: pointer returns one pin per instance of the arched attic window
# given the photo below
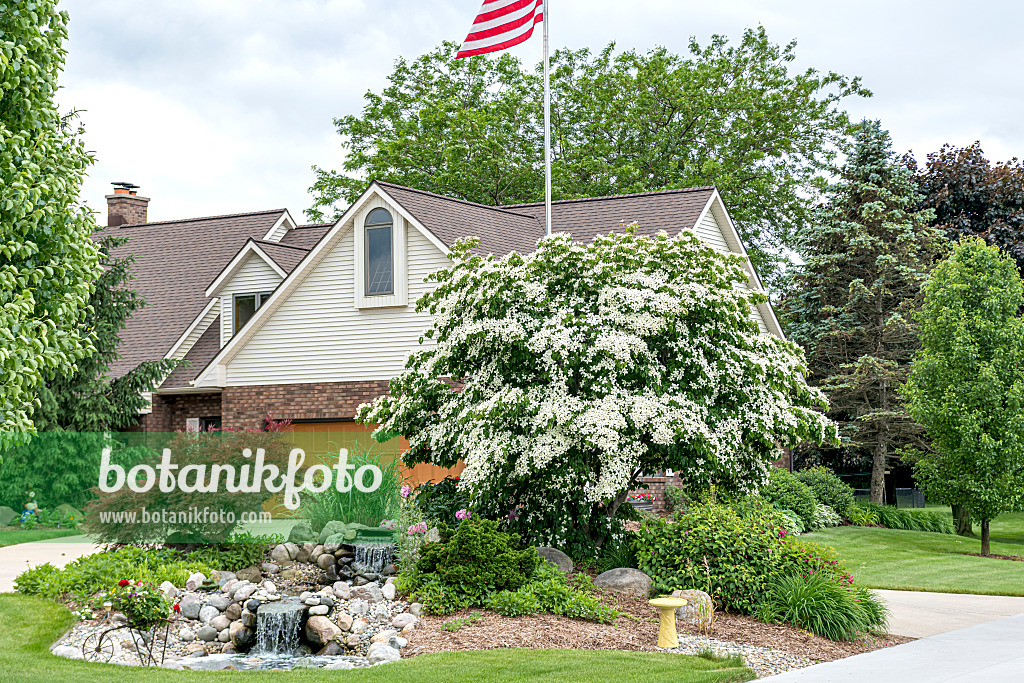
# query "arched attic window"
(380, 269)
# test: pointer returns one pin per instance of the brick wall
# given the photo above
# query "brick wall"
(170, 412)
(246, 407)
(126, 208)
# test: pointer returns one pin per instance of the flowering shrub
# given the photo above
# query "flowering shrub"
(142, 602)
(439, 501)
(825, 516)
(584, 365)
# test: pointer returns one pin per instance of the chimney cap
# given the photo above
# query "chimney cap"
(125, 185)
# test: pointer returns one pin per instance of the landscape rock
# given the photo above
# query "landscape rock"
(301, 533)
(403, 620)
(290, 574)
(207, 634)
(358, 607)
(270, 568)
(68, 652)
(224, 636)
(168, 589)
(342, 590)
(221, 602)
(384, 653)
(415, 608)
(398, 642)
(359, 625)
(319, 610)
(556, 557)
(245, 592)
(384, 636)
(293, 550)
(331, 649)
(625, 580)
(345, 621)
(220, 622)
(190, 605)
(220, 578)
(195, 580)
(207, 613)
(388, 591)
(370, 592)
(233, 611)
(321, 630)
(251, 574)
(325, 561)
(280, 554)
(698, 605)
(7, 515)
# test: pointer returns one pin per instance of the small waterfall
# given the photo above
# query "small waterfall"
(374, 557)
(278, 626)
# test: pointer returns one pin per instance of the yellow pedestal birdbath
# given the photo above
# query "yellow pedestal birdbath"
(667, 632)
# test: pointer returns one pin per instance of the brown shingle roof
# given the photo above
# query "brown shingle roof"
(306, 236)
(198, 357)
(174, 262)
(517, 227)
(285, 255)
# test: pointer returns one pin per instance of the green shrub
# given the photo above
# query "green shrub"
(822, 606)
(478, 556)
(825, 516)
(675, 498)
(791, 522)
(240, 551)
(102, 571)
(712, 548)
(786, 492)
(828, 489)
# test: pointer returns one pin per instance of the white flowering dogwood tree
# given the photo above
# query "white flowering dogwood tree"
(561, 377)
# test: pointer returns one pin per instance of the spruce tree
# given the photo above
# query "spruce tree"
(851, 304)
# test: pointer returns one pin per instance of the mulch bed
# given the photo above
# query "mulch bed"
(1015, 558)
(636, 629)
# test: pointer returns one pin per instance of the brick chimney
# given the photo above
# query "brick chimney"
(125, 206)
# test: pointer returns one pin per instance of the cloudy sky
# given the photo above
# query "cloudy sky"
(222, 106)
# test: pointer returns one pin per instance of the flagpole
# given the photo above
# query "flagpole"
(547, 127)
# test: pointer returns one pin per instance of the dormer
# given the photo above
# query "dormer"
(243, 287)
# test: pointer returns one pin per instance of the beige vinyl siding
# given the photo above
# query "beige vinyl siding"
(707, 229)
(755, 313)
(318, 334)
(255, 275)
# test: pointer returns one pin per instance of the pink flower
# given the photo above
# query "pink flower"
(463, 515)
(406, 490)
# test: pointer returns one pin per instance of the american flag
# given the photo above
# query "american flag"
(500, 25)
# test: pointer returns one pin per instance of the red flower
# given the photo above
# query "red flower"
(123, 583)
(177, 608)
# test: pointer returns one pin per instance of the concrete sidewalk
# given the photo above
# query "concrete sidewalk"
(986, 653)
(14, 559)
(920, 614)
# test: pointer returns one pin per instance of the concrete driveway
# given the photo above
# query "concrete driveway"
(920, 614)
(987, 653)
(14, 559)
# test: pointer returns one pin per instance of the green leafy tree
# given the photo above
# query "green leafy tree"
(735, 116)
(967, 384)
(47, 259)
(78, 410)
(975, 198)
(582, 367)
(851, 304)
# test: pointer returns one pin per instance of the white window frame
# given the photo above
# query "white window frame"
(261, 298)
(399, 260)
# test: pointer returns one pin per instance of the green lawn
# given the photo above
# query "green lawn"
(917, 560)
(14, 536)
(29, 625)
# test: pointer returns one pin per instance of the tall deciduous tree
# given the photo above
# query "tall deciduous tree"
(735, 116)
(77, 410)
(967, 384)
(851, 304)
(47, 259)
(584, 366)
(975, 198)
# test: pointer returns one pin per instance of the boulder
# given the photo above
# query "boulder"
(402, 620)
(345, 621)
(370, 592)
(383, 653)
(556, 557)
(359, 625)
(245, 592)
(388, 591)
(398, 642)
(207, 634)
(384, 636)
(241, 635)
(325, 561)
(304, 554)
(67, 513)
(414, 609)
(220, 578)
(319, 610)
(699, 607)
(270, 568)
(330, 529)
(7, 515)
(233, 611)
(302, 532)
(251, 574)
(208, 613)
(331, 649)
(248, 619)
(190, 605)
(279, 554)
(342, 590)
(68, 652)
(195, 580)
(224, 636)
(253, 604)
(353, 641)
(321, 630)
(221, 622)
(229, 586)
(624, 580)
(168, 589)
(221, 602)
(289, 574)
(293, 550)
